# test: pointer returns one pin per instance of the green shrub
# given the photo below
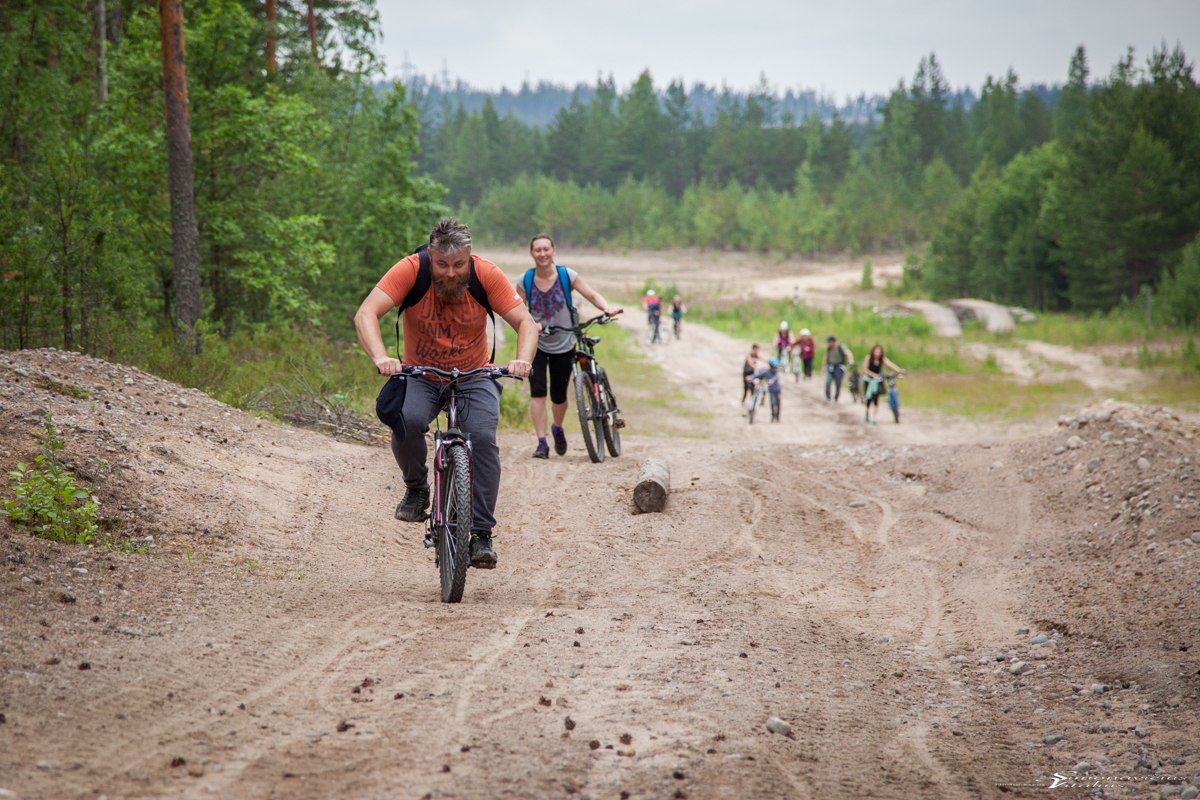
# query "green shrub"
(48, 501)
(1179, 294)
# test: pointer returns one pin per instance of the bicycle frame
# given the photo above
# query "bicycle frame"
(453, 436)
(585, 347)
(600, 413)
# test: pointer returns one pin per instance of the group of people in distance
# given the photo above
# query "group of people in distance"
(834, 363)
(446, 327)
(652, 305)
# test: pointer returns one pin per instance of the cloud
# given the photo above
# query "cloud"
(844, 48)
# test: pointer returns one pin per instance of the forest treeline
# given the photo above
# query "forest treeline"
(308, 182)
(1075, 204)
(305, 184)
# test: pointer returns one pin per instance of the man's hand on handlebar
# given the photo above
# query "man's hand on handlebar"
(519, 368)
(388, 365)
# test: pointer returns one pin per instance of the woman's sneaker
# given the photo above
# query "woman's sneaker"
(542, 450)
(560, 440)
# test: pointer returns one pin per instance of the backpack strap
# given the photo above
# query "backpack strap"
(421, 286)
(527, 285)
(565, 279)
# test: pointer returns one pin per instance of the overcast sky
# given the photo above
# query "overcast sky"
(840, 47)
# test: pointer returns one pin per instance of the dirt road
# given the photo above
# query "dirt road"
(926, 605)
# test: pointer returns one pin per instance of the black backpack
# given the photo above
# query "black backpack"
(425, 280)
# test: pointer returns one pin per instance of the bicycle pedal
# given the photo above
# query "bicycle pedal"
(620, 423)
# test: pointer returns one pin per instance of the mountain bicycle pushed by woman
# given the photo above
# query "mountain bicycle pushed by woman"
(600, 419)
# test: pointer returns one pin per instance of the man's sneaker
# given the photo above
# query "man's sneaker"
(483, 556)
(412, 507)
(542, 450)
(560, 440)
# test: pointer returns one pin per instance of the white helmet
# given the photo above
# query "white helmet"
(804, 332)
(783, 325)
(649, 293)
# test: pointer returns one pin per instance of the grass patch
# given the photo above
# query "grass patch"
(1174, 388)
(992, 397)
(1119, 326)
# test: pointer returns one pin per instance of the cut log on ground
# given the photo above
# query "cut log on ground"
(654, 482)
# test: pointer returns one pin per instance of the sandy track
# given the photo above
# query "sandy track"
(856, 581)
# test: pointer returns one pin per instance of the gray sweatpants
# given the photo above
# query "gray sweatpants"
(478, 416)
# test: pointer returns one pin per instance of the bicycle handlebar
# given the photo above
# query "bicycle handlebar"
(602, 319)
(457, 374)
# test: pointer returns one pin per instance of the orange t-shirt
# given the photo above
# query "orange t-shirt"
(443, 334)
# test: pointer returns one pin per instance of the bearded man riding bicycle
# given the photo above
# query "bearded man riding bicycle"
(446, 327)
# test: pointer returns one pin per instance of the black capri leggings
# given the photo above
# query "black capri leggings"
(559, 366)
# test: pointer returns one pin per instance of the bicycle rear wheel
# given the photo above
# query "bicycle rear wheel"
(453, 547)
(609, 418)
(585, 404)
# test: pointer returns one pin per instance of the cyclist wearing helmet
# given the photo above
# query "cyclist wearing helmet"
(653, 305)
(783, 339)
(774, 386)
(808, 348)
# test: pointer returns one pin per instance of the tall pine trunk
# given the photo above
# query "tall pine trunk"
(101, 36)
(185, 247)
(312, 31)
(272, 64)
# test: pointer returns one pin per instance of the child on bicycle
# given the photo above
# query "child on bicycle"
(677, 310)
(750, 365)
(652, 304)
(807, 348)
(771, 376)
(783, 339)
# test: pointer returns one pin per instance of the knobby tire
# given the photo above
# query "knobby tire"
(608, 408)
(454, 539)
(589, 426)
(754, 398)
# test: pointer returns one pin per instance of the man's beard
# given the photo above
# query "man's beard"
(450, 289)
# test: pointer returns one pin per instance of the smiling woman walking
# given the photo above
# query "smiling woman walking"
(546, 289)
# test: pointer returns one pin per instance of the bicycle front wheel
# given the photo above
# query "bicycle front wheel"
(609, 415)
(585, 404)
(453, 546)
(754, 398)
